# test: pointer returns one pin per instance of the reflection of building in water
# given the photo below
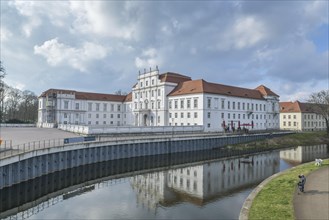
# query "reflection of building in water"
(305, 153)
(202, 183)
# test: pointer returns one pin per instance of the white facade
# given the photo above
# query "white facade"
(156, 100)
(63, 107)
(201, 183)
(216, 111)
(300, 117)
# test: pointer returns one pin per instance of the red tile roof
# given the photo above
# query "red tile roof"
(202, 86)
(86, 95)
(129, 97)
(290, 107)
(265, 91)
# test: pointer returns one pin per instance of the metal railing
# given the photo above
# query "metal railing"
(8, 150)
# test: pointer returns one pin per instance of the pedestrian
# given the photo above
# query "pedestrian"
(301, 183)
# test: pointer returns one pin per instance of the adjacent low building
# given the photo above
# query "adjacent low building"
(300, 117)
(167, 99)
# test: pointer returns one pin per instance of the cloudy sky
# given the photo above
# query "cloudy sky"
(99, 46)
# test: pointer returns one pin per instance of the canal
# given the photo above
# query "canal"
(193, 185)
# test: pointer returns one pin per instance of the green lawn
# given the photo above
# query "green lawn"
(275, 200)
(291, 140)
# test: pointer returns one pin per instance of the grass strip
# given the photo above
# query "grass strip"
(275, 200)
(291, 140)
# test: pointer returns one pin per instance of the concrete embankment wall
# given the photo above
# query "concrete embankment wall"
(36, 163)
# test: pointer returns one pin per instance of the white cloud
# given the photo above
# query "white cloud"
(37, 11)
(100, 18)
(149, 58)
(244, 33)
(5, 34)
(58, 53)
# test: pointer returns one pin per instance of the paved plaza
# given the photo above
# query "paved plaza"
(21, 135)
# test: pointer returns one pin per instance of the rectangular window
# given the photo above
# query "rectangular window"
(159, 103)
(195, 103)
(188, 104)
(66, 104)
(89, 115)
(76, 106)
(208, 114)
(119, 107)
(97, 106)
(228, 105)
(243, 106)
(223, 115)
(209, 103)
(97, 115)
(159, 119)
(208, 125)
(104, 116)
(159, 92)
(228, 115)
(170, 104)
(233, 105)
(111, 115)
(223, 103)
(176, 104)
(118, 115)
(65, 115)
(112, 107)
(195, 115)
(176, 115)
(182, 114)
(170, 115)
(238, 105)
(189, 115)
(104, 107)
(182, 104)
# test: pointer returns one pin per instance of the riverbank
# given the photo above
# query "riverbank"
(273, 199)
(290, 140)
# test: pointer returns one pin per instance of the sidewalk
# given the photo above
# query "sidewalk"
(314, 202)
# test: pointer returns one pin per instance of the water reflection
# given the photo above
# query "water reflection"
(302, 154)
(192, 185)
(203, 183)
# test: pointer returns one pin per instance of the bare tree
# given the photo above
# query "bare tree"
(12, 103)
(2, 75)
(28, 108)
(119, 92)
(320, 102)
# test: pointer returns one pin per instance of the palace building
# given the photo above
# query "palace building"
(300, 116)
(166, 99)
